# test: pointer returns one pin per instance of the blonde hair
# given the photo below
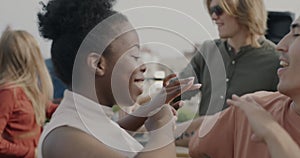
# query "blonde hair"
(250, 13)
(22, 65)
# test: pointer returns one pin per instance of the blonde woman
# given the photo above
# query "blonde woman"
(25, 91)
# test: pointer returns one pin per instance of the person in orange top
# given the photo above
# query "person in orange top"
(263, 124)
(25, 91)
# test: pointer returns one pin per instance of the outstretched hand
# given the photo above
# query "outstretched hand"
(167, 94)
(177, 87)
(159, 119)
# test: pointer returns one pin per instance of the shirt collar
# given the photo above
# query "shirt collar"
(261, 41)
(90, 105)
(94, 117)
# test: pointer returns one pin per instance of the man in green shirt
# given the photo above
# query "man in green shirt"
(241, 61)
(249, 70)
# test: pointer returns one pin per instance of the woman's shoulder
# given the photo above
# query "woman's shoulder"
(12, 93)
(66, 141)
(8, 97)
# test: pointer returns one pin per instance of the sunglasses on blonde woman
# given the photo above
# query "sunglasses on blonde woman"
(218, 10)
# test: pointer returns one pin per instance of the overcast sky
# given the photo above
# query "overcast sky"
(170, 25)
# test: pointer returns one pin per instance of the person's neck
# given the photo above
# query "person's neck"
(96, 96)
(240, 40)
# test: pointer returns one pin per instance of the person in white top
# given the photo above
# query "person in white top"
(95, 51)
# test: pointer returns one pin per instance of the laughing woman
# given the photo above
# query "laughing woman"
(96, 52)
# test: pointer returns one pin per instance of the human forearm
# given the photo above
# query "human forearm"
(280, 144)
(166, 151)
(132, 123)
(136, 119)
(161, 142)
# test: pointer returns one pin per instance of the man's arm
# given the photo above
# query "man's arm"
(280, 143)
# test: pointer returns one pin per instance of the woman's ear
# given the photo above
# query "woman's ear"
(96, 63)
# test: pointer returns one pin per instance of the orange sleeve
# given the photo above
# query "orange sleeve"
(6, 108)
(50, 109)
(219, 141)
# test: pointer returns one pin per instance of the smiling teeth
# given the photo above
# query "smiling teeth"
(284, 64)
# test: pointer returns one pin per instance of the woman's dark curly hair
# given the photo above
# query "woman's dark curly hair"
(67, 22)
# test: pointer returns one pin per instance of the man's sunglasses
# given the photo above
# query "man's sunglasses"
(218, 10)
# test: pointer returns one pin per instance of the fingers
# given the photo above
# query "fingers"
(235, 97)
(233, 101)
(180, 82)
(237, 101)
(182, 87)
(195, 87)
(186, 84)
(246, 104)
(177, 82)
(174, 111)
(174, 92)
(167, 79)
(169, 89)
(230, 102)
(176, 89)
(177, 105)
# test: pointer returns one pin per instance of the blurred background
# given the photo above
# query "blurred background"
(21, 14)
(169, 30)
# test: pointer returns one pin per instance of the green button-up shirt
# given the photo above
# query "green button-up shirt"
(249, 70)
